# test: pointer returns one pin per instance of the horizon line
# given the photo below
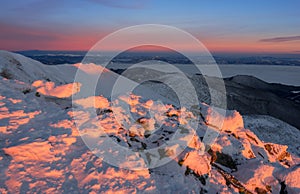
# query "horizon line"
(163, 51)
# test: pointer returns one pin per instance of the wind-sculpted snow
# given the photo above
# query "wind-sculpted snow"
(49, 89)
(91, 68)
(41, 149)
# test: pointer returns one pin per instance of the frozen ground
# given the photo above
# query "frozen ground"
(41, 150)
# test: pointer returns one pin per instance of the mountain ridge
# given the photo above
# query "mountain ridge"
(41, 149)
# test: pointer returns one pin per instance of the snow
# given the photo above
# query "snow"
(270, 129)
(28, 70)
(288, 75)
(295, 92)
(49, 89)
(41, 149)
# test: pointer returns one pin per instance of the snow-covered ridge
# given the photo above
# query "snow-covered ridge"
(19, 67)
(42, 151)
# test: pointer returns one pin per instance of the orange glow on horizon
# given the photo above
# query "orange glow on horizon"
(25, 38)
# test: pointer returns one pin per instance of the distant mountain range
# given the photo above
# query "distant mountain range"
(71, 57)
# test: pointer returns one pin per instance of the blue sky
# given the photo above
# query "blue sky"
(220, 25)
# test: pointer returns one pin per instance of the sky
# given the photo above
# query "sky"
(254, 26)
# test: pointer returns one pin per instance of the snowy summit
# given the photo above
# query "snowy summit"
(42, 149)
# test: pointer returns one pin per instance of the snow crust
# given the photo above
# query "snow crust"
(41, 149)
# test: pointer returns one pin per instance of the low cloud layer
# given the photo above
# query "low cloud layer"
(281, 39)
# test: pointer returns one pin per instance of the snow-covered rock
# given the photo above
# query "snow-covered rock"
(41, 149)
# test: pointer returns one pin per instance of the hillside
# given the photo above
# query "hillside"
(43, 140)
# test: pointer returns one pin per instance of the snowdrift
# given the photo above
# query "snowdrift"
(41, 149)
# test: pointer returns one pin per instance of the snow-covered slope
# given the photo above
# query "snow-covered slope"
(270, 129)
(41, 150)
(19, 67)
